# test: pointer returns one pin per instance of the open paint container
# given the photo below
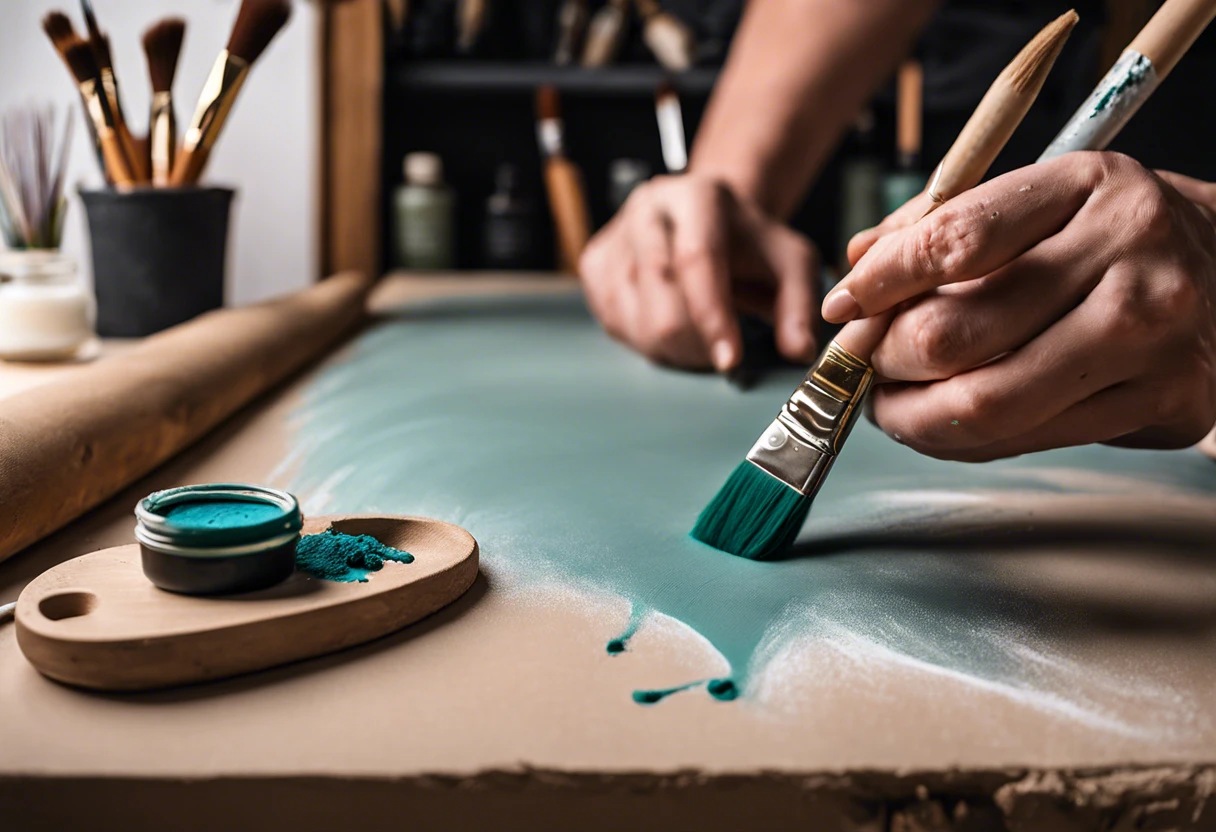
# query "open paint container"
(218, 538)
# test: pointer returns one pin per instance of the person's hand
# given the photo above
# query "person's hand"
(672, 270)
(1065, 303)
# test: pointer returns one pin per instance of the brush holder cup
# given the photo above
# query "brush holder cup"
(158, 256)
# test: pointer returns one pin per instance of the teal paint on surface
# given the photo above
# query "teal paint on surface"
(620, 644)
(346, 558)
(569, 458)
(222, 514)
(1136, 73)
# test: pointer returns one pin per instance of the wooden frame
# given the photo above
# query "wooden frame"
(352, 84)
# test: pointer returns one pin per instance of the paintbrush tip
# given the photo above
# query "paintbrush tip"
(58, 28)
(80, 60)
(1030, 68)
(162, 45)
(548, 103)
(257, 22)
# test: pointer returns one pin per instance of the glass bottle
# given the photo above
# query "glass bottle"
(509, 223)
(425, 211)
(46, 312)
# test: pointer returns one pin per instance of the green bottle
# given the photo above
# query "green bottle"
(424, 216)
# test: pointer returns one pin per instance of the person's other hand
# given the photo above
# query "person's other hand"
(672, 270)
(1065, 303)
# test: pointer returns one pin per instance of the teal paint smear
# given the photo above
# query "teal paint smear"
(334, 556)
(222, 514)
(1136, 73)
(654, 697)
(570, 458)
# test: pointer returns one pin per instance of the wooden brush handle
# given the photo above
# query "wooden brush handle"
(116, 159)
(188, 167)
(1171, 31)
(564, 183)
(67, 446)
(135, 157)
(909, 110)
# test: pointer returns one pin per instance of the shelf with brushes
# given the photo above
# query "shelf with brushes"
(486, 77)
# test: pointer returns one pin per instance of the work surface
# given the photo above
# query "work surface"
(1055, 612)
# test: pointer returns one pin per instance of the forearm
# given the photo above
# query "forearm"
(796, 78)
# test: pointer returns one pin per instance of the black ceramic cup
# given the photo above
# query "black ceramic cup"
(158, 256)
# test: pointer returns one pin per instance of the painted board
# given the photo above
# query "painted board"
(1037, 630)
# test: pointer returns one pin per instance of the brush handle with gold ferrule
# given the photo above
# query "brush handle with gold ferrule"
(135, 162)
(564, 184)
(117, 167)
(214, 105)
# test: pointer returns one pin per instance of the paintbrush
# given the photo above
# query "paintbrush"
(162, 46)
(59, 29)
(470, 21)
(563, 181)
(761, 508)
(667, 37)
(571, 26)
(1140, 69)
(100, 43)
(79, 57)
(257, 22)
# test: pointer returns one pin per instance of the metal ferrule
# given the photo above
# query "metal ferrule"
(215, 101)
(549, 136)
(95, 104)
(800, 446)
(162, 128)
(109, 85)
(1116, 99)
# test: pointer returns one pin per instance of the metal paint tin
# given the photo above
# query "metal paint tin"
(204, 559)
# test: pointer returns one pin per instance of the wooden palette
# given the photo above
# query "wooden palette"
(98, 622)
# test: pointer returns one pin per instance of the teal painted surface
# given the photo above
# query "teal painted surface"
(346, 558)
(570, 458)
(223, 514)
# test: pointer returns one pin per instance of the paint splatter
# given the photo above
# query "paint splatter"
(1134, 74)
(333, 556)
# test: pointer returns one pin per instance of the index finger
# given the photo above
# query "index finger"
(700, 258)
(970, 236)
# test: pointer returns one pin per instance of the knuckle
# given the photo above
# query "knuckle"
(979, 413)
(944, 242)
(937, 340)
(1153, 216)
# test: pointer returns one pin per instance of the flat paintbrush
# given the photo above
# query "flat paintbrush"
(59, 29)
(100, 43)
(163, 45)
(257, 22)
(763, 505)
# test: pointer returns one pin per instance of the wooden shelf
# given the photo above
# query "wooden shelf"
(489, 77)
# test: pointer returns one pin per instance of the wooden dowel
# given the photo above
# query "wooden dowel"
(1171, 31)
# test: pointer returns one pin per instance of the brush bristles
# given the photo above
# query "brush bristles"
(163, 45)
(79, 57)
(548, 103)
(257, 22)
(1029, 69)
(59, 29)
(101, 50)
(754, 515)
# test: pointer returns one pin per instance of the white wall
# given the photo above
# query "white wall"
(268, 150)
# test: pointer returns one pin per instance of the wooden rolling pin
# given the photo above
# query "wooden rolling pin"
(69, 445)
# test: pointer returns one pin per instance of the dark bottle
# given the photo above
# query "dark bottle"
(509, 223)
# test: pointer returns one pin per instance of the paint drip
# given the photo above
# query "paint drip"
(334, 556)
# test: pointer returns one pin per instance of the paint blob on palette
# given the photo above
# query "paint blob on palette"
(569, 457)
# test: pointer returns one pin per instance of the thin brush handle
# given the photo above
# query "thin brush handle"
(162, 138)
(1172, 31)
(189, 165)
(564, 183)
(111, 147)
(109, 86)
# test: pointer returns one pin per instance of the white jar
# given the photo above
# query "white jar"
(46, 313)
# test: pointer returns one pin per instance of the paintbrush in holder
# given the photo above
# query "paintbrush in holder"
(162, 46)
(257, 22)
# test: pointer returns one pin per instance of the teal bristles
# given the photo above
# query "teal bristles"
(755, 515)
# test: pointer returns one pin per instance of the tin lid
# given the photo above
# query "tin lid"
(210, 516)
